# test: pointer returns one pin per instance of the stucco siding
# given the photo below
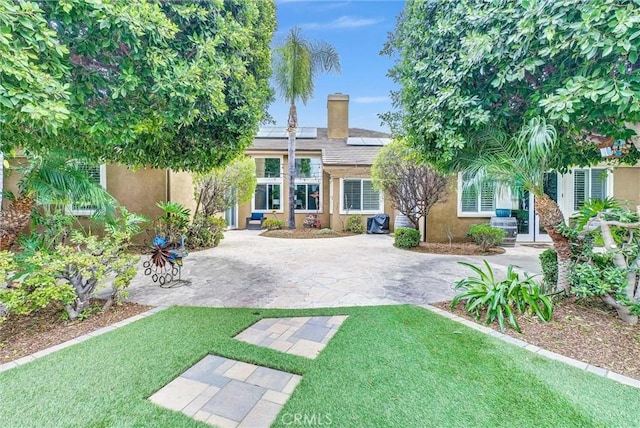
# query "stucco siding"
(138, 191)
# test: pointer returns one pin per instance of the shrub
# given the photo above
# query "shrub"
(486, 236)
(501, 300)
(549, 264)
(205, 231)
(406, 237)
(355, 224)
(68, 275)
(273, 224)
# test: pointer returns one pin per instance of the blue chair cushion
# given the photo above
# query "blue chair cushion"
(256, 216)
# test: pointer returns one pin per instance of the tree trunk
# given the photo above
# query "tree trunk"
(293, 124)
(14, 220)
(550, 218)
(624, 311)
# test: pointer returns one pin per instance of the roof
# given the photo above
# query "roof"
(360, 148)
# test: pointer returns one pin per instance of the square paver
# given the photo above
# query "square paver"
(269, 378)
(312, 332)
(178, 393)
(262, 415)
(235, 400)
(240, 371)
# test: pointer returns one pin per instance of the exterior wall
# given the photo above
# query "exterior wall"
(138, 191)
(181, 189)
(626, 185)
(443, 219)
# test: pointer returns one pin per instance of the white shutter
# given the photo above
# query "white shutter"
(352, 196)
(598, 184)
(370, 197)
(487, 197)
(579, 188)
(468, 196)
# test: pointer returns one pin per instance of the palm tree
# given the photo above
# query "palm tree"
(520, 162)
(55, 179)
(297, 62)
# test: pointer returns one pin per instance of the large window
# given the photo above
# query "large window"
(589, 184)
(307, 197)
(478, 200)
(97, 174)
(308, 184)
(359, 195)
(267, 196)
(308, 168)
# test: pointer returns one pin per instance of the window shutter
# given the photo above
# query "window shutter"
(487, 199)
(370, 197)
(82, 208)
(598, 184)
(468, 197)
(352, 195)
(579, 188)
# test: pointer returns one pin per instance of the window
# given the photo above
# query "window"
(475, 200)
(308, 184)
(359, 195)
(307, 197)
(308, 168)
(267, 196)
(589, 184)
(97, 174)
(268, 168)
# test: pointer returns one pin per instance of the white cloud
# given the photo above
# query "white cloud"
(372, 100)
(342, 22)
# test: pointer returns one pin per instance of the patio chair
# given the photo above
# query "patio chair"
(255, 221)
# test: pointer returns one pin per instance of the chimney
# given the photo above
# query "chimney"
(338, 116)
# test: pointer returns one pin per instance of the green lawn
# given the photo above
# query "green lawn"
(389, 366)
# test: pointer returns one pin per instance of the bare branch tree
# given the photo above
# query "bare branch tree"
(414, 187)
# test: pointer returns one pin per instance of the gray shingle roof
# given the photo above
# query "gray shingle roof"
(334, 151)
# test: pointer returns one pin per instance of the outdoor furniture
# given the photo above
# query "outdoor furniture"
(255, 221)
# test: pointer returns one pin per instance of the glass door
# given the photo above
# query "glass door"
(231, 217)
(529, 228)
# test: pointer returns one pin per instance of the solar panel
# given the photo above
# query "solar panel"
(364, 141)
(280, 132)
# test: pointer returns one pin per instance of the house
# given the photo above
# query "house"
(465, 207)
(333, 172)
(333, 177)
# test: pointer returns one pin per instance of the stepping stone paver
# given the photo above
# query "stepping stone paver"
(229, 393)
(304, 336)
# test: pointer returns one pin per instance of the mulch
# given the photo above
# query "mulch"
(23, 335)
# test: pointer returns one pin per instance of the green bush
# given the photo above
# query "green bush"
(355, 223)
(486, 236)
(205, 232)
(549, 264)
(504, 299)
(406, 237)
(273, 224)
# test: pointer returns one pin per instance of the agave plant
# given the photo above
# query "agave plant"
(501, 300)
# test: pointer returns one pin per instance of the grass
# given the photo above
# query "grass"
(387, 366)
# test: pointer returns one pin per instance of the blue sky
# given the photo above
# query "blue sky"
(358, 30)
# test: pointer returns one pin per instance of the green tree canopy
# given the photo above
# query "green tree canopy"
(160, 83)
(471, 63)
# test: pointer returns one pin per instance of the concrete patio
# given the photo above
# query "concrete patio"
(248, 270)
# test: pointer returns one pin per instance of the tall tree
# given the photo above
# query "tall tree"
(471, 63)
(413, 186)
(521, 162)
(297, 62)
(140, 82)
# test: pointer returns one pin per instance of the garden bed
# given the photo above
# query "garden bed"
(456, 248)
(586, 331)
(305, 233)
